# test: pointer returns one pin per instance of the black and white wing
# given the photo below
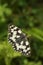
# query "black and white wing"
(19, 40)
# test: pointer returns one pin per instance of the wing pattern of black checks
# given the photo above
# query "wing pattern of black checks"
(18, 40)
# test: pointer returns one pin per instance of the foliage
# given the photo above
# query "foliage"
(28, 15)
(4, 11)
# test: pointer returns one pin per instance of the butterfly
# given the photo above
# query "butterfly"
(19, 40)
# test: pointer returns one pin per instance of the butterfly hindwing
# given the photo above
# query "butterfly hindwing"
(19, 40)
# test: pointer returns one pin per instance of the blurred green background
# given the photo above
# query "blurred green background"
(28, 15)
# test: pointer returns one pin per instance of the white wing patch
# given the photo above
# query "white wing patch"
(19, 31)
(19, 40)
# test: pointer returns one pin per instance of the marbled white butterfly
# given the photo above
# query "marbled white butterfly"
(19, 40)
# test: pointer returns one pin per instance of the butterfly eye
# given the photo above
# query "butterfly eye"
(19, 40)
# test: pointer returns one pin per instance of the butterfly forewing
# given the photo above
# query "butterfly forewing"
(19, 40)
